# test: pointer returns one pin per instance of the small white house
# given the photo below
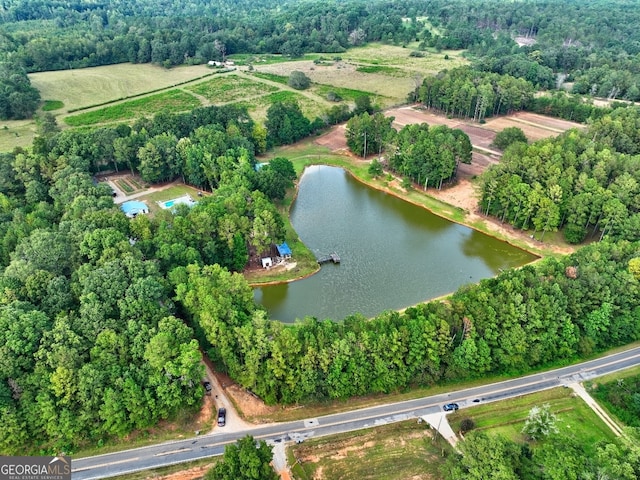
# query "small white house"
(267, 262)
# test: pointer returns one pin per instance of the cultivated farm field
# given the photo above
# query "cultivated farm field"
(102, 95)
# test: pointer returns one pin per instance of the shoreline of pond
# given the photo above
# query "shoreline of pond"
(377, 184)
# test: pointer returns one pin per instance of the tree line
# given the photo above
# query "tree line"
(18, 99)
(467, 93)
(597, 55)
(584, 183)
(557, 310)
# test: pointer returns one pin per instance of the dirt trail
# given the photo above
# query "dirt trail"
(234, 422)
(582, 393)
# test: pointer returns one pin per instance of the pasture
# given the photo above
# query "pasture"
(91, 86)
(230, 88)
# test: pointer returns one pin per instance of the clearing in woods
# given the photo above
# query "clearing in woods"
(90, 86)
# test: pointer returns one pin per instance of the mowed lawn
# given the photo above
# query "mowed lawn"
(507, 418)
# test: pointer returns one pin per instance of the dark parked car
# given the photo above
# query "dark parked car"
(450, 407)
(207, 387)
(222, 417)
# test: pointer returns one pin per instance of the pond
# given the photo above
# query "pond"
(393, 254)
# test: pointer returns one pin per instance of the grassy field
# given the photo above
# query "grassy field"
(385, 72)
(171, 100)
(506, 418)
(16, 133)
(403, 450)
(230, 88)
(310, 107)
(396, 57)
(91, 86)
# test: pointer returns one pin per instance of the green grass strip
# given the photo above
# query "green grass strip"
(344, 93)
(172, 101)
(273, 77)
(50, 105)
(377, 69)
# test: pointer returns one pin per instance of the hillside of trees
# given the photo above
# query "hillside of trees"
(565, 41)
(583, 183)
(99, 312)
(93, 304)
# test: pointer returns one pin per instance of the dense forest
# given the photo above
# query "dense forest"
(99, 312)
(593, 47)
(93, 304)
(582, 183)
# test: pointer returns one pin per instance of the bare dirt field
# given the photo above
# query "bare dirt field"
(533, 133)
(548, 122)
(534, 126)
(334, 139)
(479, 136)
(409, 115)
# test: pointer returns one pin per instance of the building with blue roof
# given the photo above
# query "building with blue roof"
(133, 208)
(283, 250)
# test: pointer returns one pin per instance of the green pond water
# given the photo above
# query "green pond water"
(393, 254)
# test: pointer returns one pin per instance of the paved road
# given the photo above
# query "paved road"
(169, 453)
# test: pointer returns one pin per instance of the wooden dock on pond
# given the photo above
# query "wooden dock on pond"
(333, 257)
